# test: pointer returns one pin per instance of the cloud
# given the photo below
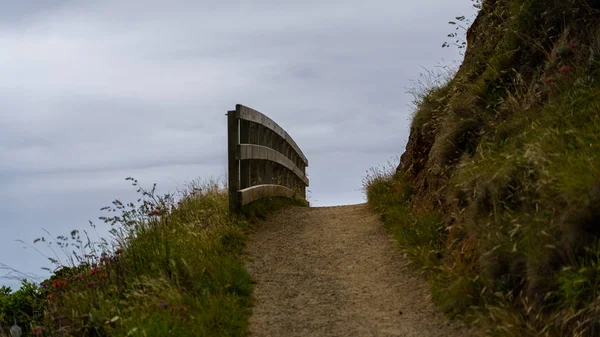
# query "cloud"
(95, 91)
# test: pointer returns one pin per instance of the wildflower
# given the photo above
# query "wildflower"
(572, 45)
(37, 331)
(51, 297)
(58, 284)
(119, 251)
(177, 312)
(163, 304)
(565, 69)
(179, 308)
(94, 271)
(91, 284)
(548, 80)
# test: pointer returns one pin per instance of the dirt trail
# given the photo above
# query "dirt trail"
(335, 271)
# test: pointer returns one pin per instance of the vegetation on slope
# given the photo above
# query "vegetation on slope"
(497, 195)
(174, 269)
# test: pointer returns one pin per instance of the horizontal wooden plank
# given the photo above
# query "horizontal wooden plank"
(249, 114)
(254, 193)
(251, 151)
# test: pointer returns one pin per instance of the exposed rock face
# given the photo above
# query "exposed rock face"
(424, 172)
(503, 60)
(508, 154)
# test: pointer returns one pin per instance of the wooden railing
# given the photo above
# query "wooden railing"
(264, 161)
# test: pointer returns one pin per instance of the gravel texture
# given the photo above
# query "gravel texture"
(336, 271)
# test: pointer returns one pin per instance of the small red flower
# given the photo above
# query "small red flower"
(51, 297)
(58, 284)
(91, 284)
(548, 80)
(94, 271)
(37, 331)
(163, 304)
(572, 45)
(565, 69)
(179, 308)
(118, 251)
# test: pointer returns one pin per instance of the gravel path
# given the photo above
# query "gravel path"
(335, 271)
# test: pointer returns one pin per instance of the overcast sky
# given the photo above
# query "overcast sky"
(92, 92)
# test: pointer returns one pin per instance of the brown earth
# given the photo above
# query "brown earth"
(336, 271)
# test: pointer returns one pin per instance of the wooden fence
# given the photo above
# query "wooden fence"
(264, 161)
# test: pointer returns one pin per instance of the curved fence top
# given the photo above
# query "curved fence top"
(264, 160)
(249, 114)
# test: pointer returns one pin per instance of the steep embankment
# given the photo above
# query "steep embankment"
(332, 271)
(498, 192)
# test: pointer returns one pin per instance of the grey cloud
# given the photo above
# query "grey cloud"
(16, 13)
(95, 91)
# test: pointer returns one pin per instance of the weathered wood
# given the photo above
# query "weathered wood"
(254, 164)
(262, 167)
(254, 193)
(264, 161)
(250, 151)
(303, 187)
(278, 171)
(249, 114)
(268, 174)
(244, 166)
(234, 165)
(288, 176)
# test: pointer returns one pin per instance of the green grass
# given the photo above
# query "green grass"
(174, 267)
(508, 235)
(422, 237)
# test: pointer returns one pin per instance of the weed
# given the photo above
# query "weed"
(503, 165)
(172, 268)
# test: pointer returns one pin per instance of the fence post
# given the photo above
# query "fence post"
(244, 164)
(234, 163)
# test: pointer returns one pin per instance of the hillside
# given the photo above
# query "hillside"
(172, 267)
(497, 193)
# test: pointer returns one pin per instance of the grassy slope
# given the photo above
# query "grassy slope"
(496, 195)
(175, 269)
